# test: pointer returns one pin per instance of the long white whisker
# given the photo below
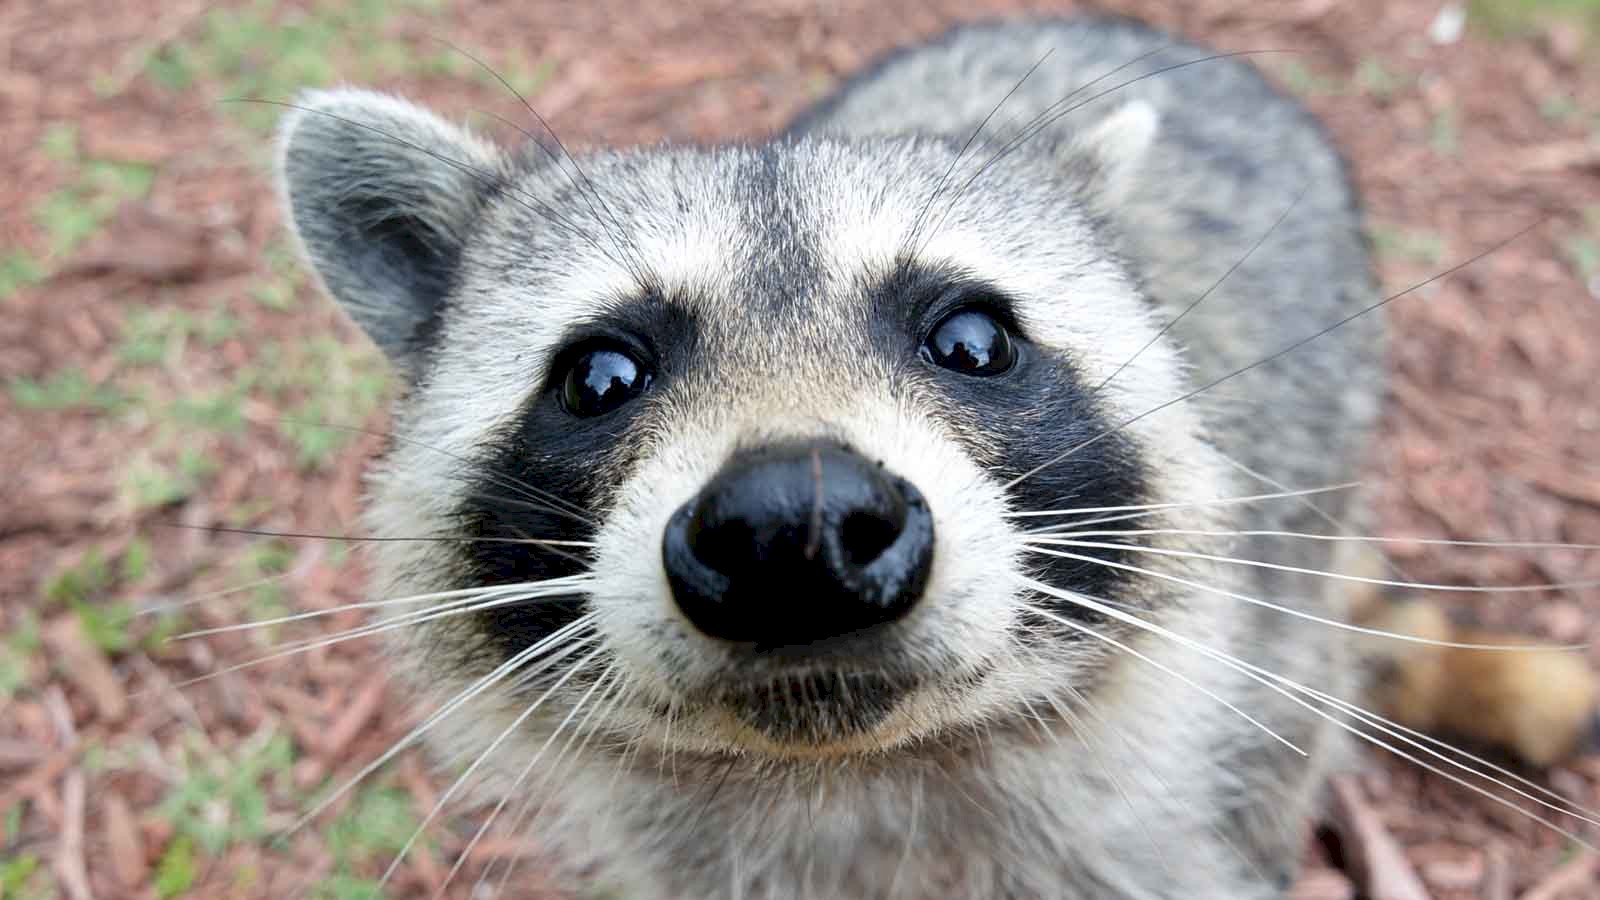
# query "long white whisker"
(483, 757)
(461, 699)
(1338, 576)
(1565, 807)
(1335, 538)
(1274, 680)
(555, 585)
(1291, 611)
(1223, 501)
(1107, 639)
(527, 811)
(455, 608)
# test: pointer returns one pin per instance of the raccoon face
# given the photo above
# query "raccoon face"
(749, 428)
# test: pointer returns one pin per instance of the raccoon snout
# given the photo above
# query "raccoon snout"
(794, 544)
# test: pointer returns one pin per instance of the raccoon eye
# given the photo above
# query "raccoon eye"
(601, 379)
(972, 342)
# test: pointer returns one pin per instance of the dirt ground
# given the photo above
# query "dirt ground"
(168, 374)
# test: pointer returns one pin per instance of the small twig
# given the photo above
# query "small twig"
(70, 869)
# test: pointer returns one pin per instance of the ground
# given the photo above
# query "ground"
(167, 373)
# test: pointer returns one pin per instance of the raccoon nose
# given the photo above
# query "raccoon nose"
(795, 544)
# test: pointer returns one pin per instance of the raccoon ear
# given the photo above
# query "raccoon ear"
(1115, 148)
(380, 194)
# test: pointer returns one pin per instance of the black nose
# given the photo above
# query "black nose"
(793, 544)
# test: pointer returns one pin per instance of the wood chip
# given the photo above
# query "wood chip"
(124, 841)
(82, 662)
(69, 864)
(1323, 884)
(1561, 157)
(359, 712)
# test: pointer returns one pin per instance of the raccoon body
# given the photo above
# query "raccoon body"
(746, 444)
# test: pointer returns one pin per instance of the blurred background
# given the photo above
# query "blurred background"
(166, 370)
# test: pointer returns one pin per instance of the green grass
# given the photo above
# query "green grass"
(65, 389)
(258, 51)
(21, 644)
(321, 383)
(221, 411)
(1444, 131)
(176, 871)
(1380, 82)
(153, 335)
(1409, 244)
(1582, 251)
(279, 291)
(151, 483)
(224, 798)
(373, 829)
(18, 269)
(1519, 18)
(1305, 82)
(106, 625)
(84, 581)
(258, 566)
(23, 877)
(86, 587)
(72, 214)
(376, 826)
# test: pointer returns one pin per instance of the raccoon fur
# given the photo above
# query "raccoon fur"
(742, 460)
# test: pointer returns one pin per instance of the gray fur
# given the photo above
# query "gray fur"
(1068, 770)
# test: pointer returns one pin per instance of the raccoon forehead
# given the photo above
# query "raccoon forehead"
(713, 218)
(766, 242)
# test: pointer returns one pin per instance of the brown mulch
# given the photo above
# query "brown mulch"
(1491, 433)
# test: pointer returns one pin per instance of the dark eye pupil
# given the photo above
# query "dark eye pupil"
(970, 342)
(602, 380)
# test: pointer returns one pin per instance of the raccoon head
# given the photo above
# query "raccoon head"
(753, 428)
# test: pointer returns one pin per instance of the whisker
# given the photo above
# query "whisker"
(499, 739)
(1113, 642)
(1210, 289)
(454, 608)
(1565, 807)
(1291, 611)
(376, 539)
(1150, 507)
(1283, 685)
(559, 505)
(561, 585)
(473, 690)
(1051, 115)
(614, 674)
(944, 180)
(1338, 576)
(1279, 354)
(635, 264)
(1335, 538)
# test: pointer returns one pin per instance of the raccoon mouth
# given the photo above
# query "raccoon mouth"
(815, 707)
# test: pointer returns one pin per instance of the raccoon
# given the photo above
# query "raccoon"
(857, 513)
